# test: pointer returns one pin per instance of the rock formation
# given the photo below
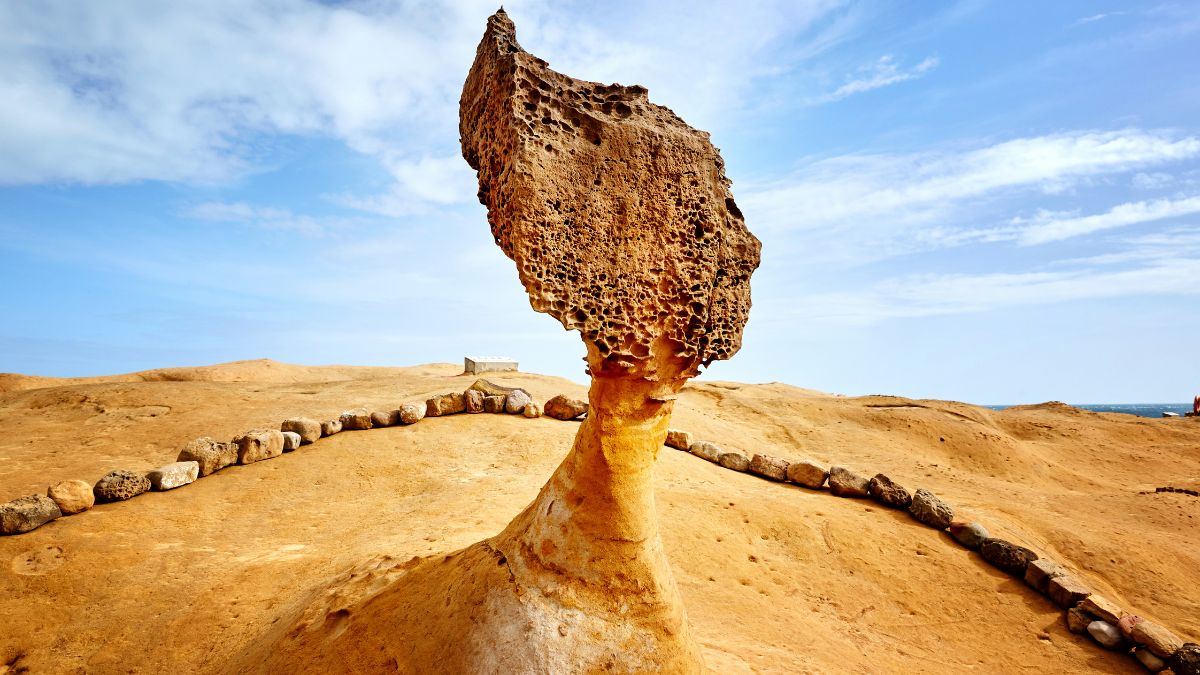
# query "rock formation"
(619, 218)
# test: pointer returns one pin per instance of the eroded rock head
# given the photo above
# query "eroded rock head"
(617, 213)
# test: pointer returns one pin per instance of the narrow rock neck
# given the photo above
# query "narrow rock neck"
(595, 520)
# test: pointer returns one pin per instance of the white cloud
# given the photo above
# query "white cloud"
(1131, 213)
(194, 92)
(1151, 181)
(857, 208)
(1097, 17)
(882, 73)
(268, 218)
(933, 295)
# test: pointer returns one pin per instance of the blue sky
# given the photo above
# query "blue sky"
(995, 202)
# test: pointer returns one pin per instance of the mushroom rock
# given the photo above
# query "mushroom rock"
(619, 218)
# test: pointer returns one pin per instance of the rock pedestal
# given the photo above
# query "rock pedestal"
(621, 224)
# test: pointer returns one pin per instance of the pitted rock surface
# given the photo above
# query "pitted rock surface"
(617, 213)
(120, 485)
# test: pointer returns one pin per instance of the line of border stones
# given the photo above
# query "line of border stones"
(1086, 612)
(205, 456)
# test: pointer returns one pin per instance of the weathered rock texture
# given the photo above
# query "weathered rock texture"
(620, 221)
(120, 485)
(309, 429)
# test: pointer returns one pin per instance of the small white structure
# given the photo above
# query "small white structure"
(475, 365)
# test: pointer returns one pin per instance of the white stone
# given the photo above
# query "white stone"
(173, 475)
(475, 365)
(291, 441)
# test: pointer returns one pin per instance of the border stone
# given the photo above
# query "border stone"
(1038, 574)
(1186, 659)
(678, 439)
(1157, 639)
(706, 450)
(355, 420)
(1007, 556)
(331, 427)
(807, 473)
(888, 492)
(770, 467)
(1102, 608)
(177, 474)
(211, 455)
(1067, 590)
(734, 460)
(473, 400)
(72, 496)
(845, 483)
(532, 411)
(970, 535)
(445, 404)
(565, 408)
(291, 441)
(929, 509)
(259, 444)
(27, 513)
(384, 418)
(309, 429)
(515, 403)
(411, 413)
(119, 485)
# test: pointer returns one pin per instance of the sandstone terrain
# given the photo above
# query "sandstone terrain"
(775, 578)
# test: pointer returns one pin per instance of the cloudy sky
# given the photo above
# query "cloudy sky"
(995, 202)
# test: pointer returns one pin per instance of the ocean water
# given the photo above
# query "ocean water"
(1139, 409)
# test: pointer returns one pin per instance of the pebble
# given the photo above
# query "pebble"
(446, 404)
(769, 467)
(532, 410)
(176, 474)
(1006, 556)
(355, 420)
(845, 483)
(120, 485)
(259, 444)
(515, 403)
(928, 509)
(970, 535)
(1150, 661)
(411, 413)
(493, 404)
(565, 408)
(1106, 634)
(211, 455)
(1186, 659)
(309, 429)
(27, 513)
(680, 440)
(291, 441)
(807, 473)
(887, 492)
(733, 459)
(473, 400)
(331, 427)
(72, 496)
(706, 450)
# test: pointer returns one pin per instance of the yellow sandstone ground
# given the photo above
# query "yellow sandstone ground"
(776, 578)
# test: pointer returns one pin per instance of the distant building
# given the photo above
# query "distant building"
(475, 365)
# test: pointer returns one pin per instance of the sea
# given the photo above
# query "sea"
(1139, 409)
